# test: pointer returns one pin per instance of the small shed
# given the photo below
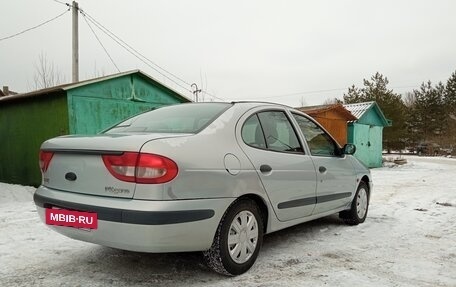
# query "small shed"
(333, 118)
(87, 107)
(367, 132)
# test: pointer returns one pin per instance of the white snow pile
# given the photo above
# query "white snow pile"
(408, 239)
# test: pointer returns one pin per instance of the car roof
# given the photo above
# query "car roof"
(246, 105)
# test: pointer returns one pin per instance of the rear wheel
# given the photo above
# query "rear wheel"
(237, 241)
(358, 212)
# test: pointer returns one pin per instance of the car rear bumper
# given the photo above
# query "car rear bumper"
(139, 225)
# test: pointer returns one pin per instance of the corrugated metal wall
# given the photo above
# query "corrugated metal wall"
(24, 125)
(368, 141)
(334, 124)
(95, 107)
(85, 109)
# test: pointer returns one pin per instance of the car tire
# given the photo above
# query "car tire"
(358, 212)
(237, 240)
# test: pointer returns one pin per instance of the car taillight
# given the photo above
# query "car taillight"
(45, 160)
(141, 167)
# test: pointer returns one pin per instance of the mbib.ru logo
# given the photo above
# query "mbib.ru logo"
(71, 218)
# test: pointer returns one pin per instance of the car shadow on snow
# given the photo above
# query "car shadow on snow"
(308, 231)
(119, 267)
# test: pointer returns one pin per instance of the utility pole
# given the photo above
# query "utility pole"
(196, 91)
(75, 50)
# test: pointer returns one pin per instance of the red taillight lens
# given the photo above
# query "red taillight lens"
(152, 168)
(45, 160)
(122, 166)
(141, 167)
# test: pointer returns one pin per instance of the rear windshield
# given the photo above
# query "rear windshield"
(184, 118)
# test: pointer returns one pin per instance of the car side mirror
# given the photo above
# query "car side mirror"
(349, 149)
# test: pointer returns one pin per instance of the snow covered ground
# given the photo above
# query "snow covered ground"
(408, 239)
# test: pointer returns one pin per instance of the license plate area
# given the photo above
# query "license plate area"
(72, 218)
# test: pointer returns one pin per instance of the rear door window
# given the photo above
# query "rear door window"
(252, 134)
(271, 130)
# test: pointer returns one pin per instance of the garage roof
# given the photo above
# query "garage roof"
(70, 86)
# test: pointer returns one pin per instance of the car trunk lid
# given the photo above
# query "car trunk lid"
(77, 162)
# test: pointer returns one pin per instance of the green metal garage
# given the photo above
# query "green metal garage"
(88, 107)
(367, 132)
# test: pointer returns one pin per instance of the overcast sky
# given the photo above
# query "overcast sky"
(280, 51)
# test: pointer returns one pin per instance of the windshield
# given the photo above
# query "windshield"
(183, 118)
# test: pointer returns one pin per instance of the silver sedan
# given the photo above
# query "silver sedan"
(211, 177)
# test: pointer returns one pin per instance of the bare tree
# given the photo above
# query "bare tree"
(46, 73)
(97, 73)
(303, 102)
(409, 99)
(332, 101)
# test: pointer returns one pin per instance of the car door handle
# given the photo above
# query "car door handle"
(322, 169)
(264, 168)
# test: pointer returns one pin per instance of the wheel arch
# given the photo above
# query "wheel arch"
(260, 202)
(368, 183)
(366, 180)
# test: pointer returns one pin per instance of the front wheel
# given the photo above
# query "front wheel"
(358, 212)
(237, 241)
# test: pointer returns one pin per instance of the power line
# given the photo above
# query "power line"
(131, 51)
(211, 95)
(404, 87)
(34, 27)
(67, 4)
(139, 58)
(137, 54)
(101, 44)
(324, 91)
(88, 18)
(303, 93)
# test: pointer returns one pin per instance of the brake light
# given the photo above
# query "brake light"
(141, 167)
(45, 160)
